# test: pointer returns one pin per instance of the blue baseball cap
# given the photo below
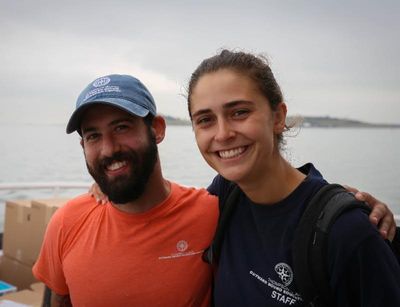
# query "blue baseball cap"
(122, 91)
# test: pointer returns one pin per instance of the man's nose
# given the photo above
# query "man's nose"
(109, 146)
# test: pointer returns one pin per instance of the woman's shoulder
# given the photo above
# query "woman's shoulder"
(353, 226)
(220, 186)
(351, 233)
(359, 259)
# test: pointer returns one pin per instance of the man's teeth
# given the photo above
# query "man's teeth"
(226, 154)
(116, 165)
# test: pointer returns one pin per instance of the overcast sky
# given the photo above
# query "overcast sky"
(331, 58)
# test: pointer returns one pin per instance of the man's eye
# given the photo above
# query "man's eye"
(121, 128)
(92, 137)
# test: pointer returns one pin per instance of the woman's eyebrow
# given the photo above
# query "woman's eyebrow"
(235, 103)
(227, 105)
(201, 112)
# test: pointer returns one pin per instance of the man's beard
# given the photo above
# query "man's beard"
(125, 188)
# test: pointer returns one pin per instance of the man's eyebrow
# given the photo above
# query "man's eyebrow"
(113, 123)
(227, 105)
(120, 120)
(88, 129)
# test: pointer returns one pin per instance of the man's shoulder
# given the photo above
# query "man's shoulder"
(191, 191)
(71, 216)
(194, 195)
(79, 202)
(75, 207)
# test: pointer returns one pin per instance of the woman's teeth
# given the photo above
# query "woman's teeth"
(227, 154)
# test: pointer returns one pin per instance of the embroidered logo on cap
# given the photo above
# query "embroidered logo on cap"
(101, 81)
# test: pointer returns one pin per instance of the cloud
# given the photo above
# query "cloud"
(331, 51)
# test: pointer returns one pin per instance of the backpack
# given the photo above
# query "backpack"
(310, 243)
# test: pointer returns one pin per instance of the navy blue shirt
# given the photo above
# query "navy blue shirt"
(255, 266)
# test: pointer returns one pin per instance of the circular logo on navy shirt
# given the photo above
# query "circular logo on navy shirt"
(285, 273)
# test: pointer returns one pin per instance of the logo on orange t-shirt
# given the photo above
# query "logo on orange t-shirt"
(181, 246)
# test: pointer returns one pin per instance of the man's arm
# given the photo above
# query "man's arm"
(52, 299)
(60, 300)
(380, 216)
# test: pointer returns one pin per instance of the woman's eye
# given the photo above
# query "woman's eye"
(240, 113)
(203, 120)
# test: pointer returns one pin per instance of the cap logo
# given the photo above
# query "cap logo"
(101, 81)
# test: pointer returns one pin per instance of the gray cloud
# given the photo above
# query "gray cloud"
(337, 59)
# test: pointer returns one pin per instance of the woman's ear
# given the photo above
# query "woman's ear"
(280, 118)
(158, 126)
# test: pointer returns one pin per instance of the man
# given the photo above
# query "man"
(144, 247)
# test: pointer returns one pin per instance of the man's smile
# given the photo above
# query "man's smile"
(116, 165)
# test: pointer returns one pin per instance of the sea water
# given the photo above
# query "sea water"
(364, 158)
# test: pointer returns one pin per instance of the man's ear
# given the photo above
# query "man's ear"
(280, 118)
(158, 126)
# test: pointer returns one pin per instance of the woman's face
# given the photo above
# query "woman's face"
(234, 126)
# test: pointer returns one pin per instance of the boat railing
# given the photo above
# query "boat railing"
(56, 187)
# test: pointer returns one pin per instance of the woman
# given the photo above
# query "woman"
(238, 116)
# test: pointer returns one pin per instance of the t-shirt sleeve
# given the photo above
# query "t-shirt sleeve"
(363, 269)
(48, 267)
(213, 187)
(219, 187)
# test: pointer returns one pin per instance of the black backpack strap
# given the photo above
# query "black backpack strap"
(211, 254)
(311, 242)
(395, 244)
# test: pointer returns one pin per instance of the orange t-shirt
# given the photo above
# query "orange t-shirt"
(102, 256)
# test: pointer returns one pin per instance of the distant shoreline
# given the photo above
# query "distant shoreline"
(298, 121)
(305, 122)
(332, 122)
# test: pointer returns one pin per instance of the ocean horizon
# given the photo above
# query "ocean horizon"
(366, 158)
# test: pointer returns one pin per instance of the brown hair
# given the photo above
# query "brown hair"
(254, 66)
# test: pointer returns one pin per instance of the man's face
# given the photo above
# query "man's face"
(120, 152)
